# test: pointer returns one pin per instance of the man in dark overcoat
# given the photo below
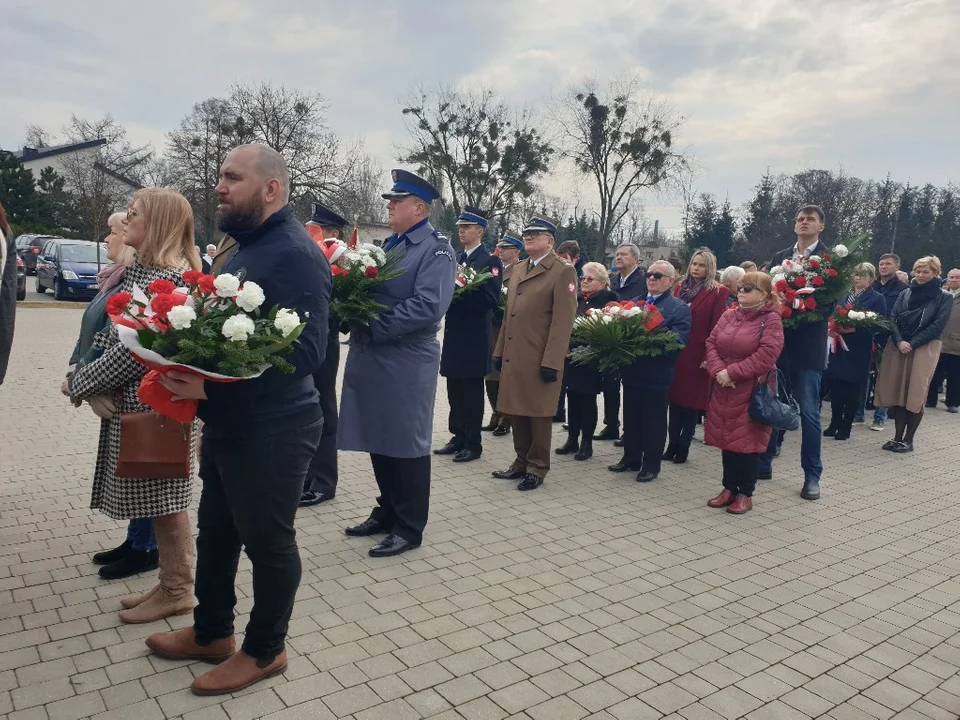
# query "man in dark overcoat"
(508, 249)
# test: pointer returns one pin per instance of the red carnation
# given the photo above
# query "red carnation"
(191, 277)
(827, 256)
(205, 284)
(790, 295)
(161, 305)
(816, 281)
(612, 303)
(161, 287)
(815, 264)
(628, 304)
(831, 272)
(781, 286)
(118, 303)
(799, 281)
(842, 312)
(372, 271)
(811, 303)
(786, 311)
(849, 306)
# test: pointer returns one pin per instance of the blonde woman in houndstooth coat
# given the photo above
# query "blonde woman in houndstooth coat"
(160, 229)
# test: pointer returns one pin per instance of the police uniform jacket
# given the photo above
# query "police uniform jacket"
(390, 378)
(467, 330)
(541, 305)
(494, 374)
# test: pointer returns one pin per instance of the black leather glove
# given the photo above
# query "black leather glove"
(498, 364)
(548, 375)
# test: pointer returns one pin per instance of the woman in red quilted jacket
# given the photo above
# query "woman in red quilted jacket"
(743, 347)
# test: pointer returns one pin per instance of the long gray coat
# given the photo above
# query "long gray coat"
(390, 380)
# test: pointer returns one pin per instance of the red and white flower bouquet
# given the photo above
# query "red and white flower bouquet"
(358, 270)
(212, 327)
(616, 335)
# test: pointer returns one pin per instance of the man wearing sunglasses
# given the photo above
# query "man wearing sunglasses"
(803, 360)
(646, 383)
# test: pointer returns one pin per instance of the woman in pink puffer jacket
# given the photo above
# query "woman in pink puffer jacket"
(742, 349)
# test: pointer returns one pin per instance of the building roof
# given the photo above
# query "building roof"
(29, 154)
(117, 176)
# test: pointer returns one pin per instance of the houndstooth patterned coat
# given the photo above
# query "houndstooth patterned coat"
(116, 372)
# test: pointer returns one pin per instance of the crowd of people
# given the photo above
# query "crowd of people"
(270, 444)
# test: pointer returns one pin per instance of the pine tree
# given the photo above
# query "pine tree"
(17, 191)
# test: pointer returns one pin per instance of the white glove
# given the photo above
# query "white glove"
(103, 406)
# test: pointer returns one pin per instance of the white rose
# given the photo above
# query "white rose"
(286, 321)
(840, 251)
(614, 310)
(226, 285)
(250, 296)
(238, 328)
(855, 315)
(181, 317)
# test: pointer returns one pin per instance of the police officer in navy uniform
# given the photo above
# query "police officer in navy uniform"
(390, 379)
(466, 359)
(321, 483)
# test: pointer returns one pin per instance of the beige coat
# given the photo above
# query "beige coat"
(951, 333)
(494, 375)
(541, 306)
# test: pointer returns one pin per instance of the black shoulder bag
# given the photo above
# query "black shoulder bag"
(766, 407)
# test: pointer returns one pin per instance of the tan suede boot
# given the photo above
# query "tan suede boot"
(174, 596)
(131, 601)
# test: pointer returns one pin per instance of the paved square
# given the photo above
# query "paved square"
(592, 597)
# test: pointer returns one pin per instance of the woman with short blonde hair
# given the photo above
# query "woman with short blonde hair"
(598, 272)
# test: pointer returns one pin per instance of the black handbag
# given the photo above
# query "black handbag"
(766, 406)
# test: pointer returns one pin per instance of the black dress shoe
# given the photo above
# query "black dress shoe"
(811, 490)
(570, 446)
(585, 452)
(530, 482)
(492, 425)
(508, 474)
(680, 457)
(367, 527)
(566, 426)
(111, 556)
(312, 497)
(669, 453)
(609, 432)
(621, 467)
(466, 456)
(765, 475)
(645, 476)
(135, 561)
(451, 448)
(618, 442)
(501, 431)
(392, 545)
(830, 431)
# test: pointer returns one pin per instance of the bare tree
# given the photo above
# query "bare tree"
(38, 137)
(119, 155)
(623, 140)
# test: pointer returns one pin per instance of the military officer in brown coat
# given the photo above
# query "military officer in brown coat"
(533, 342)
(509, 249)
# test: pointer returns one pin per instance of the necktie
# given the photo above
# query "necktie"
(650, 299)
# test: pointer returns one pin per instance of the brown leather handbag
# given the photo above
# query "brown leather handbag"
(153, 447)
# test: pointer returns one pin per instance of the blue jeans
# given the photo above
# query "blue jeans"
(805, 385)
(140, 533)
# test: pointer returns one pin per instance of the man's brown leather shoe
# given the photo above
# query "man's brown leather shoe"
(182, 645)
(238, 672)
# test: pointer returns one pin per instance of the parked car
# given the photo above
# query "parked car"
(69, 268)
(28, 248)
(21, 280)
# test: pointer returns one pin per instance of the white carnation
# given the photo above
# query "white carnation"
(608, 318)
(250, 296)
(226, 285)
(871, 315)
(286, 321)
(816, 257)
(632, 312)
(238, 328)
(778, 277)
(840, 251)
(352, 257)
(856, 315)
(614, 310)
(181, 317)
(776, 269)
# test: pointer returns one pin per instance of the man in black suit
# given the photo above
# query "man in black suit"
(466, 359)
(803, 360)
(320, 485)
(629, 282)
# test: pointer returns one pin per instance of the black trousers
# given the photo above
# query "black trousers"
(644, 427)
(465, 396)
(561, 401)
(948, 371)
(251, 489)
(322, 475)
(582, 414)
(683, 422)
(740, 472)
(404, 501)
(611, 398)
(844, 403)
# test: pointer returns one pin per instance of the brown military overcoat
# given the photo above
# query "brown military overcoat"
(541, 305)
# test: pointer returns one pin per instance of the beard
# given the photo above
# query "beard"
(238, 218)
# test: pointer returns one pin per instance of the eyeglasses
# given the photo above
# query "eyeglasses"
(746, 288)
(131, 214)
(588, 279)
(658, 275)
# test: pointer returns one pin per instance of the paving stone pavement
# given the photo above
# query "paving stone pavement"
(592, 597)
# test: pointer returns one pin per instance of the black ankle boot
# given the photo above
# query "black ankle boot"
(135, 561)
(831, 429)
(586, 449)
(680, 455)
(570, 446)
(670, 452)
(111, 556)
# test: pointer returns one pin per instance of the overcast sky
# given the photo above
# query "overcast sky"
(872, 85)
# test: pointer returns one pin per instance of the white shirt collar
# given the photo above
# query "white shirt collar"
(623, 278)
(806, 253)
(534, 263)
(471, 251)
